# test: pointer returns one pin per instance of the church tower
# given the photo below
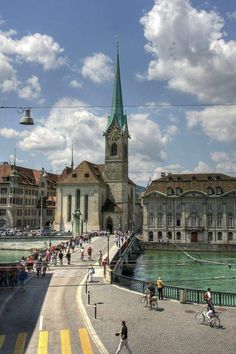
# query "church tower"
(116, 154)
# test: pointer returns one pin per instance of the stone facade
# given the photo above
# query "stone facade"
(190, 208)
(24, 194)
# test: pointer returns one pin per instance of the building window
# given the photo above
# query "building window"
(159, 235)
(170, 191)
(193, 206)
(193, 221)
(49, 212)
(3, 190)
(169, 220)
(113, 149)
(219, 236)
(150, 236)
(178, 220)
(210, 206)
(209, 220)
(230, 220)
(151, 219)
(230, 236)
(86, 208)
(210, 191)
(178, 235)
(219, 220)
(3, 212)
(3, 200)
(77, 203)
(69, 200)
(159, 207)
(159, 220)
(219, 206)
(219, 190)
(229, 207)
(169, 207)
(210, 236)
(169, 235)
(178, 191)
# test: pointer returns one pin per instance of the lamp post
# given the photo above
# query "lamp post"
(108, 246)
(49, 230)
(43, 175)
(72, 227)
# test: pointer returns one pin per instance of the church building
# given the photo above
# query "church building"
(101, 196)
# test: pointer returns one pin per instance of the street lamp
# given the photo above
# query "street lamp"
(72, 227)
(26, 119)
(43, 175)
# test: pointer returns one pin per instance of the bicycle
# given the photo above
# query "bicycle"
(201, 317)
(153, 303)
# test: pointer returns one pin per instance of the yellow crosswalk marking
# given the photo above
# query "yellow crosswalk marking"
(43, 342)
(65, 342)
(2, 338)
(85, 342)
(20, 343)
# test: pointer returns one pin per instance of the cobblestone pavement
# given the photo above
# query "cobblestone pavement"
(171, 329)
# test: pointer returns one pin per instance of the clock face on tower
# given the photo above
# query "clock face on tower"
(114, 133)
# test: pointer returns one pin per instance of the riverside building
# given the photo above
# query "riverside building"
(190, 208)
(101, 196)
(27, 197)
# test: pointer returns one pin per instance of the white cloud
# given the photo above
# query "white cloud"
(202, 167)
(232, 15)
(219, 156)
(32, 90)
(189, 51)
(12, 133)
(75, 84)
(218, 123)
(98, 68)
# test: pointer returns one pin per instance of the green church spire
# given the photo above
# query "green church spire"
(117, 111)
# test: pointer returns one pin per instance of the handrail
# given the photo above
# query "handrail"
(174, 292)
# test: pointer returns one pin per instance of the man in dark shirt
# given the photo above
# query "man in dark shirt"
(123, 338)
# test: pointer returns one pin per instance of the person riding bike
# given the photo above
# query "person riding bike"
(150, 291)
(210, 311)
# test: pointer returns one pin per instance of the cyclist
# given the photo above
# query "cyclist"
(150, 291)
(210, 311)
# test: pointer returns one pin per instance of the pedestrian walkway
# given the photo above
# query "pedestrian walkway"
(17, 345)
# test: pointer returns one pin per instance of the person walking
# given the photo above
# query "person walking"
(39, 265)
(22, 277)
(60, 256)
(68, 256)
(91, 272)
(123, 338)
(89, 251)
(160, 286)
(100, 258)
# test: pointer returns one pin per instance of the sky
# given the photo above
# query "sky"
(178, 73)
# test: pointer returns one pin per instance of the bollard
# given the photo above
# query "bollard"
(86, 287)
(88, 297)
(95, 311)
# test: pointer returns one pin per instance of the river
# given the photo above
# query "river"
(177, 269)
(12, 255)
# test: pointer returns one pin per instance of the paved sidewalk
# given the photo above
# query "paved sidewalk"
(171, 329)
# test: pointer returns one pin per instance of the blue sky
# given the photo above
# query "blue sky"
(58, 58)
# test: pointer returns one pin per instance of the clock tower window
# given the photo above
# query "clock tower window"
(114, 149)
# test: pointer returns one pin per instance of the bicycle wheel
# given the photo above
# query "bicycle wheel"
(154, 305)
(216, 322)
(143, 299)
(199, 317)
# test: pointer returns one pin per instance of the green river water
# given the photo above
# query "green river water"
(177, 269)
(12, 256)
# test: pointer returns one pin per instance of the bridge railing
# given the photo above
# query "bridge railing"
(174, 292)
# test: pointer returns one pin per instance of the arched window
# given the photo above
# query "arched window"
(114, 149)
(230, 236)
(169, 235)
(178, 219)
(159, 235)
(150, 236)
(219, 236)
(219, 190)
(178, 235)
(210, 236)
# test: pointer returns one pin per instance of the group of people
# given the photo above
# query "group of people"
(150, 291)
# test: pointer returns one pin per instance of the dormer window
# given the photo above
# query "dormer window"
(194, 178)
(178, 191)
(86, 174)
(219, 190)
(210, 191)
(210, 178)
(170, 191)
(74, 175)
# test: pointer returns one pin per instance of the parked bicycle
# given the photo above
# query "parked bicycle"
(153, 303)
(201, 318)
